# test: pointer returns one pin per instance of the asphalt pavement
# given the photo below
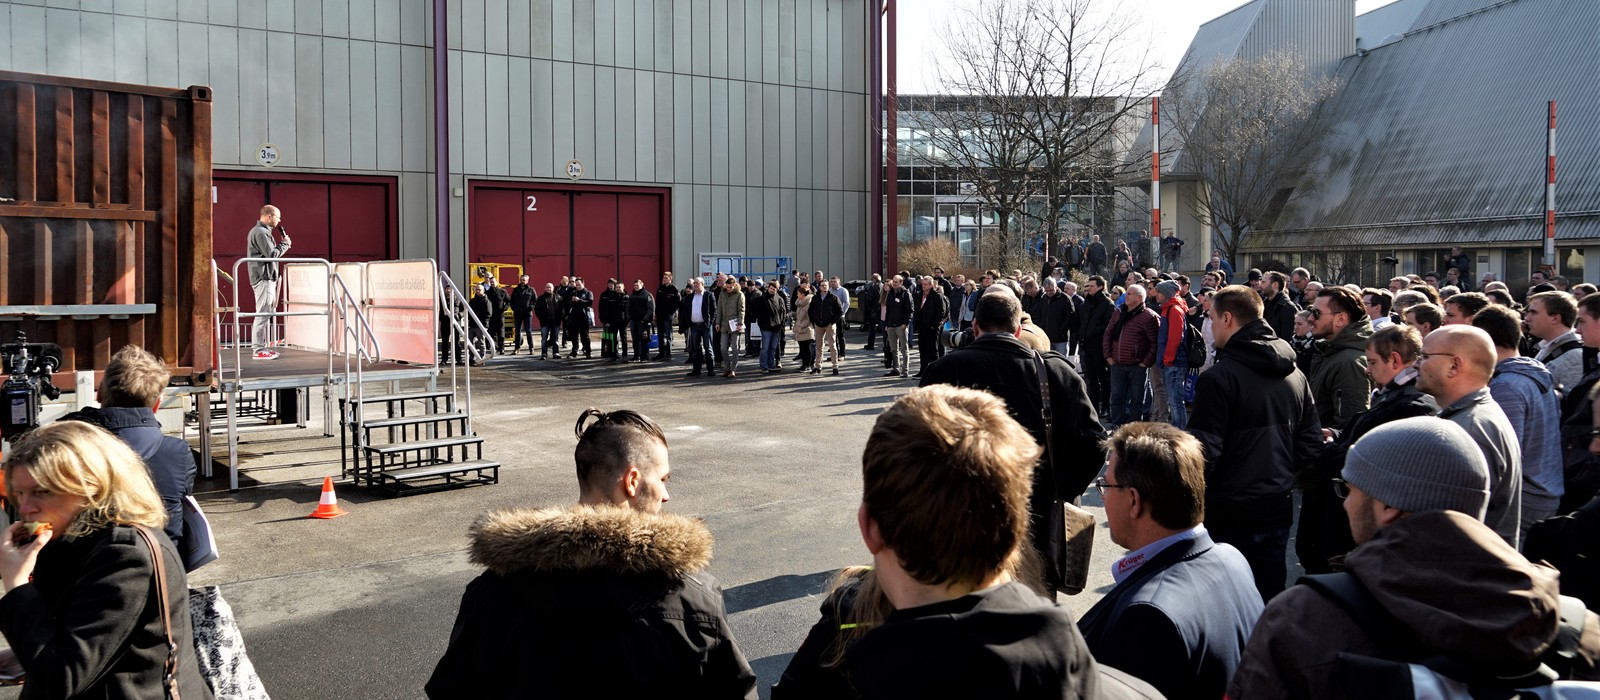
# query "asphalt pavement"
(362, 605)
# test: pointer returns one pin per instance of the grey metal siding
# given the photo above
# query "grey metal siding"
(751, 110)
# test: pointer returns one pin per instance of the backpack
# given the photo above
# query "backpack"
(1410, 670)
(1194, 344)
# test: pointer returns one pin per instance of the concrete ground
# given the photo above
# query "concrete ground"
(362, 605)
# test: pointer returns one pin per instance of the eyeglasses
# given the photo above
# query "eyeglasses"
(1341, 488)
(1102, 484)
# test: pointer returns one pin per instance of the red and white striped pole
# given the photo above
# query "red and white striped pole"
(1155, 169)
(1550, 190)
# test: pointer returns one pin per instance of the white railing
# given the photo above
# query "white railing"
(449, 296)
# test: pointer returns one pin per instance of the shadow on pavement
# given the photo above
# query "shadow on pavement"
(768, 670)
(774, 590)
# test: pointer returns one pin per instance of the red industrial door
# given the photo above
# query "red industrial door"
(639, 238)
(594, 237)
(546, 236)
(359, 223)
(237, 209)
(498, 228)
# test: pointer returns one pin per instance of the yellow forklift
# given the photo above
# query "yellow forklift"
(507, 276)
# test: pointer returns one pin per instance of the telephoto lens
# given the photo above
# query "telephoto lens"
(955, 339)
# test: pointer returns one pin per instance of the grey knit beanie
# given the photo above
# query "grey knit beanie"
(1168, 289)
(1420, 464)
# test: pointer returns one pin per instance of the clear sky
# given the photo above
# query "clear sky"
(1172, 24)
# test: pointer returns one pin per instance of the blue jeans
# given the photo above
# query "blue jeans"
(522, 325)
(700, 346)
(1267, 553)
(664, 336)
(1174, 378)
(547, 334)
(1127, 393)
(769, 349)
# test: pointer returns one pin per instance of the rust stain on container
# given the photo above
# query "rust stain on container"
(105, 208)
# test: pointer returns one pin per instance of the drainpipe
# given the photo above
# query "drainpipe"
(441, 133)
(875, 21)
(892, 264)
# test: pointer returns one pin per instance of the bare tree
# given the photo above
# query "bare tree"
(1041, 89)
(1246, 127)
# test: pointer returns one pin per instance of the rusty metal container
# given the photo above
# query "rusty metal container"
(105, 221)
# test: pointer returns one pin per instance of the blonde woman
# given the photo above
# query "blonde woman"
(89, 622)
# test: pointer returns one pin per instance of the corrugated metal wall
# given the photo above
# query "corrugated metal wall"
(754, 111)
(1323, 30)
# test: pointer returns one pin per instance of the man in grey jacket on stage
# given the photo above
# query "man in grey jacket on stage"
(264, 276)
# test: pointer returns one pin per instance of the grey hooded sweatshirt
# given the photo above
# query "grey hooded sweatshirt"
(1525, 390)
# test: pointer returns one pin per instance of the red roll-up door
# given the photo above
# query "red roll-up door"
(594, 237)
(358, 215)
(237, 210)
(639, 238)
(305, 210)
(497, 227)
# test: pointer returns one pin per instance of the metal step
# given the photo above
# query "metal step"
(413, 420)
(391, 398)
(399, 447)
(440, 469)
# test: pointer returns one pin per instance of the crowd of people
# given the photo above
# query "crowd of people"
(1442, 446)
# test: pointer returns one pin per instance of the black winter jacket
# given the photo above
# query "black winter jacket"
(1095, 316)
(578, 303)
(168, 459)
(591, 595)
(1279, 313)
(1055, 314)
(522, 298)
(613, 308)
(932, 313)
(667, 301)
(1004, 366)
(867, 297)
(89, 624)
(641, 307)
(1254, 416)
(547, 308)
(770, 311)
(499, 299)
(900, 307)
(482, 307)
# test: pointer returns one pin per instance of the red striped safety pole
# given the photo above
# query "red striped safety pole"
(1155, 168)
(1550, 190)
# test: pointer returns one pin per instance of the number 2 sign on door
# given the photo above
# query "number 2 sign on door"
(532, 201)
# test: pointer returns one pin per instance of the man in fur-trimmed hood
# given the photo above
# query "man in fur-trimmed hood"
(608, 597)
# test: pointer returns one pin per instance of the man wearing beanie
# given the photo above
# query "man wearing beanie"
(1415, 490)
(1172, 363)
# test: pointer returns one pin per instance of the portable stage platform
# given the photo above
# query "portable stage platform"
(345, 328)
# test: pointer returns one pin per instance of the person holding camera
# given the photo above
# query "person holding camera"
(997, 362)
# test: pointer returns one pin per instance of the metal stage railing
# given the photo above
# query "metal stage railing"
(455, 305)
(345, 322)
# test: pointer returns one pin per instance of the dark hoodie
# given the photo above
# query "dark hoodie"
(1001, 642)
(1526, 393)
(1447, 578)
(1279, 313)
(1254, 416)
(590, 602)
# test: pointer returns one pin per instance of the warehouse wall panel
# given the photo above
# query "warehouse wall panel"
(752, 111)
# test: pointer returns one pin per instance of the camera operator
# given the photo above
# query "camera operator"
(997, 362)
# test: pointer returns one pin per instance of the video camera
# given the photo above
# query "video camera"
(30, 366)
(955, 340)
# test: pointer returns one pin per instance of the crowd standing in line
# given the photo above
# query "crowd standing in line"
(1443, 441)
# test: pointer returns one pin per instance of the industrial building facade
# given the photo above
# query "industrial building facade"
(606, 138)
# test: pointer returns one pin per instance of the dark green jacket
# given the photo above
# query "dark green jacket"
(1339, 381)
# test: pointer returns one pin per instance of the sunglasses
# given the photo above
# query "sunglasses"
(1341, 488)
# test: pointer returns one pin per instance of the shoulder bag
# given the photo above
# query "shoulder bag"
(169, 674)
(1071, 528)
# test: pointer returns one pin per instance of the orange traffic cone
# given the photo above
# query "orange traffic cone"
(328, 507)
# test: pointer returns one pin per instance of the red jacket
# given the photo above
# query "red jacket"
(1176, 314)
(1136, 343)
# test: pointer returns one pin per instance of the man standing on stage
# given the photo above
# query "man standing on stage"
(264, 277)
